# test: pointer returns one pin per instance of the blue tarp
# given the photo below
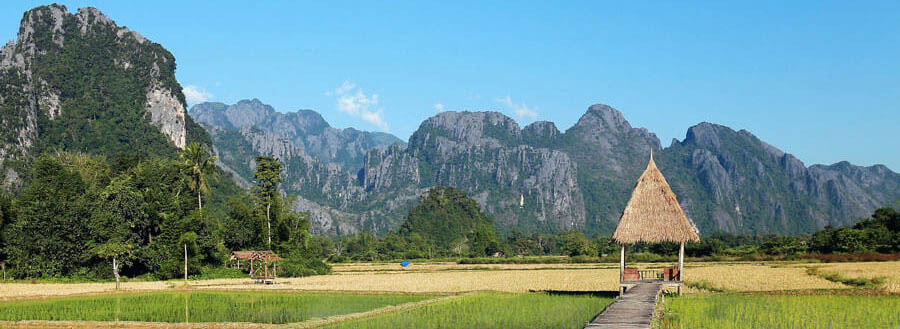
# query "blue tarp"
(405, 264)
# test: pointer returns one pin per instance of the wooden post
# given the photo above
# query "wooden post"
(622, 264)
(681, 262)
(185, 264)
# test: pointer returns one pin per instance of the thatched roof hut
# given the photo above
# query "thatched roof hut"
(653, 213)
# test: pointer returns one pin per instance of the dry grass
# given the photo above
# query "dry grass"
(890, 271)
(757, 277)
(354, 268)
(11, 291)
(449, 281)
(456, 278)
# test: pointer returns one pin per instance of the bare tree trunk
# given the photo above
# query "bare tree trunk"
(185, 264)
(269, 222)
(116, 272)
(199, 201)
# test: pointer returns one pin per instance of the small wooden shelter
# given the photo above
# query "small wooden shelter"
(653, 215)
(263, 264)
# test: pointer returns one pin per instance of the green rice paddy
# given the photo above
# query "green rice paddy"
(199, 306)
(493, 310)
(776, 312)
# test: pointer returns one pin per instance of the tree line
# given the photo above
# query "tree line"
(87, 216)
(878, 234)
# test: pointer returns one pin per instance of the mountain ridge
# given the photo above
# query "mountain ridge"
(537, 178)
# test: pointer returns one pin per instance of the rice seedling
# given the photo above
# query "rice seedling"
(791, 311)
(199, 306)
(493, 310)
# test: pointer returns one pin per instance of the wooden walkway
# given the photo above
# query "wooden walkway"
(634, 310)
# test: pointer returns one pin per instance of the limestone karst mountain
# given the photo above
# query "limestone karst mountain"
(78, 82)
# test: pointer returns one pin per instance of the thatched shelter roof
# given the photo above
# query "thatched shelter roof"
(653, 213)
(253, 254)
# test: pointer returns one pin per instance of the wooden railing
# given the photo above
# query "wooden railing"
(632, 274)
(651, 274)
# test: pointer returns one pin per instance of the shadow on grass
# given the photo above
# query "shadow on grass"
(606, 294)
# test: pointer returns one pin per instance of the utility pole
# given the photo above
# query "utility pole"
(185, 264)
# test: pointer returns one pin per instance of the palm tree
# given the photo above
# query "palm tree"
(199, 165)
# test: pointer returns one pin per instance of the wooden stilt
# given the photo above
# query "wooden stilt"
(622, 264)
(680, 266)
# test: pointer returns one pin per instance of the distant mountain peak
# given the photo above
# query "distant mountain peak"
(604, 116)
(307, 132)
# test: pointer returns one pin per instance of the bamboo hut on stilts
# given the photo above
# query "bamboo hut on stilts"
(653, 215)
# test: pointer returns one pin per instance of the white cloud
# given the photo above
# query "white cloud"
(194, 95)
(352, 101)
(439, 107)
(520, 110)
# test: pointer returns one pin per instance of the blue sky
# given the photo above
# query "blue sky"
(820, 80)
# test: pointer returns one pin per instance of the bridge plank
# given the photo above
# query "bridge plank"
(633, 310)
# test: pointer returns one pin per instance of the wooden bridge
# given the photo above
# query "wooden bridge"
(633, 310)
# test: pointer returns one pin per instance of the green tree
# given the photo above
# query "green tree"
(116, 251)
(268, 175)
(451, 220)
(199, 165)
(51, 227)
(574, 243)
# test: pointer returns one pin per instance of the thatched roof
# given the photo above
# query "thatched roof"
(253, 254)
(653, 213)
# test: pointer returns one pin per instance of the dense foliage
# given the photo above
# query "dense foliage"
(880, 233)
(870, 238)
(78, 212)
(449, 220)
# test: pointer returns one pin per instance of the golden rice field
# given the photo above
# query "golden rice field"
(447, 281)
(447, 266)
(28, 290)
(757, 277)
(890, 271)
(456, 278)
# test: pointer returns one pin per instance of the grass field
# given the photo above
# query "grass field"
(199, 306)
(493, 310)
(377, 295)
(764, 312)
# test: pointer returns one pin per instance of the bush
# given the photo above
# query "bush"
(295, 265)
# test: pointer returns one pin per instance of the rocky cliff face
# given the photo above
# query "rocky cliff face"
(304, 129)
(74, 71)
(732, 181)
(540, 179)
